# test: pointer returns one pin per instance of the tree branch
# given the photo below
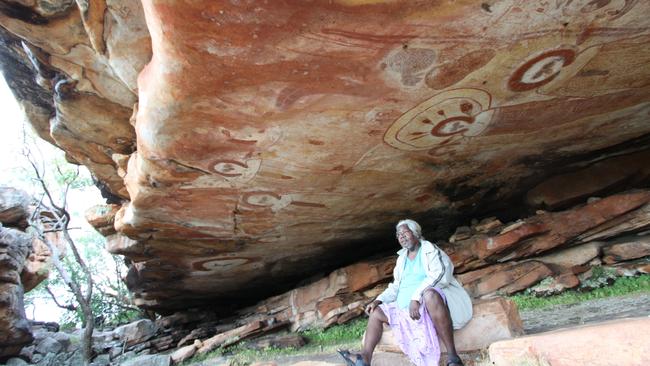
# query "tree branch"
(67, 307)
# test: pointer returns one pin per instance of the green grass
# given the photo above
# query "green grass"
(352, 331)
(318, 341)
(621, 286)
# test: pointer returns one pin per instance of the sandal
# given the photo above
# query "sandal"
(347, 356)
(454, 360)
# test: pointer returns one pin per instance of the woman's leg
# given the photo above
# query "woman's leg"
(373, 333)
(437, 309)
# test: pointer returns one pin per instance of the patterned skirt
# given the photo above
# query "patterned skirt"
(417, 338)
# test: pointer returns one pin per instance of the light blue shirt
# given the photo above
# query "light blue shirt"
(413, 276)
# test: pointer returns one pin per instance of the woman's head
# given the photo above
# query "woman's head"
(409, 233)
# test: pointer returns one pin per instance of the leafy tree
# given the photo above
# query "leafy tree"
(86, 285)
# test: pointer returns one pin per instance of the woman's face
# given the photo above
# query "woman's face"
(406, 238)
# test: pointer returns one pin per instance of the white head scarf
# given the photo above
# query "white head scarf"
(413, 226)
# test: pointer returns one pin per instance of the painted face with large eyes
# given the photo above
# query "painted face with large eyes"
(406, 237)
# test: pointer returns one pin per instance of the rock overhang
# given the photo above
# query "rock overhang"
(274, 137)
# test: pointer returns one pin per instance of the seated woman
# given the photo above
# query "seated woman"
(423, 302)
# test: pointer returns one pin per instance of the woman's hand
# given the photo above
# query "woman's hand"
(371, 307)
(414, 310)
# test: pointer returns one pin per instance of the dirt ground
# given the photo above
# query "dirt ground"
(561, 316)
(534, 321)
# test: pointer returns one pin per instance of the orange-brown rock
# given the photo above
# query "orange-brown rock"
(39, 261)
(102, 218)
(493, 320)
(613, 215)
(504, 279)
(637, 248)
(24, 263)
(14, 328)
(573, 256)
(277, 140)
(620, 342)
(335, 299)
(602, 177)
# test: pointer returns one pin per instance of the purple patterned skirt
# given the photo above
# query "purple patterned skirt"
(417, 338)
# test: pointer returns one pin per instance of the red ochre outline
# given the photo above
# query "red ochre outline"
(515, 83)
(484, 109)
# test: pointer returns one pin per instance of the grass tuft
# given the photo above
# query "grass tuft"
(621, 286)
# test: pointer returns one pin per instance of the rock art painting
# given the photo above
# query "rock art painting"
(445, 118)
(241, 171)
(220, 264)
(541, 70)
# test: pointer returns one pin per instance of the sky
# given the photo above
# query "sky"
(14, 173)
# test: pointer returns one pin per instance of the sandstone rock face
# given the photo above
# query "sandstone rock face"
(638, 248)
(14, 207)
(14, 248)
(621, 342)
(493, 320)
(270, 140)
(24, 263)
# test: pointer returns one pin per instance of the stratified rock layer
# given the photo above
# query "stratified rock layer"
(24, 263)
(272, 140)
(15, 246)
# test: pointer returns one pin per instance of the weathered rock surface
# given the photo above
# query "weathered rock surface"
(493, 320)
(136, 332)
(611, 216)
(621, 342)
(15, 332)
(276, 140)
(24, 262)
(14, 207)
(636, 248)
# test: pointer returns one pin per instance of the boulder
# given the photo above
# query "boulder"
(637, 248)
(462, 233)
(49, 345)
(102, 218)
(136, 332)
(64, 339)
(493, 320)
(15, 331)
(506, 278)
(101, 360)
(149, 360)
(14, 207)
(183, 353)
(619, 342)
(27, 352)
(488, 224)
(15, 361)
(556, 284)
(573, 256)
(280, 341)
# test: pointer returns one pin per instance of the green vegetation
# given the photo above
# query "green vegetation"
(318, 341)
(110, 301)
(621, 286)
